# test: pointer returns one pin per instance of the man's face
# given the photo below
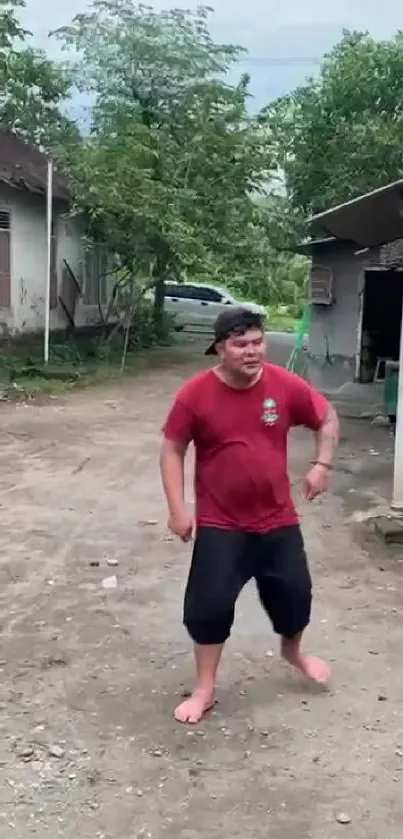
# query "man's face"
(243, 354)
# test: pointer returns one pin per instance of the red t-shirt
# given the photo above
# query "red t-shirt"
(240, 438)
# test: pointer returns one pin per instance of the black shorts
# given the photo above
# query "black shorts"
(225, 560)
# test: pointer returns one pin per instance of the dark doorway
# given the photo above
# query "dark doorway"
(381, 322)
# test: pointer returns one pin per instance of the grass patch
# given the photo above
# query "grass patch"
(80, 361)
(280, 319)
(72, 363)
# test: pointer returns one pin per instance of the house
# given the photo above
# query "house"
(78, 273)
(374, 222)
(356, 288)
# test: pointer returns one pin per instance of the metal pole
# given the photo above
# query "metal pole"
(397, 498)
(49, 194)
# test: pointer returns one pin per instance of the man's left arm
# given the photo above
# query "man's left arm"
(310, 409)
(327, 437)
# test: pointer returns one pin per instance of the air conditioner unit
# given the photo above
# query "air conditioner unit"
(321, 286)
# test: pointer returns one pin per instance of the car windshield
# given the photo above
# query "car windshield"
(227, 294)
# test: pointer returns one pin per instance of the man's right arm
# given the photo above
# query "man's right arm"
(172, 460)
(178, 432)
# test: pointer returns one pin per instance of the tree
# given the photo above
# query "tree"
(341, 134)
(173, 160)
(32, 87)
(282, 280)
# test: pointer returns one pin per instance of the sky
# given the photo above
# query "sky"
(285, 39)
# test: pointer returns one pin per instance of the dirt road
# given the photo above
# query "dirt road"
(89, 675)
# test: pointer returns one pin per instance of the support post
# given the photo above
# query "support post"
(49, 208)
(397, 497)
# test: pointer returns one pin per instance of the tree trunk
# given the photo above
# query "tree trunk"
(159, 298)
(127, 334)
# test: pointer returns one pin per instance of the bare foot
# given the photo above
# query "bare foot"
(313, 668)
(191, 710)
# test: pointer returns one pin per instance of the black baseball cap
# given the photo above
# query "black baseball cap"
(236, 320)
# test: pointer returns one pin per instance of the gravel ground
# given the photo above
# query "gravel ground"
(94, 656)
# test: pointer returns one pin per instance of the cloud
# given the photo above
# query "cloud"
(285, 41)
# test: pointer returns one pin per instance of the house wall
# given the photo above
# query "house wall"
(333, 331)
(28, 262)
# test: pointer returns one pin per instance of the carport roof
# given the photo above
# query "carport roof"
(369, 220)
(308, 245)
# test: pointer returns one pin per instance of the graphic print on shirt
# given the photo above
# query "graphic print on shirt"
(269, 412)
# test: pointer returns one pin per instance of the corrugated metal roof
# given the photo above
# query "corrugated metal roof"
(23, 166)
(308, 245)
(369, 220)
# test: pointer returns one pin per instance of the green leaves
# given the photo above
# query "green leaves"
(10, 29)
(174, 156)
(174, 164)
(341, 134)
(32, 87)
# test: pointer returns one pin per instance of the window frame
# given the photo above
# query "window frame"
(5, 276)
(95, 274)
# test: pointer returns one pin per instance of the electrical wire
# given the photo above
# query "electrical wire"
(279, 60)
(260, 60)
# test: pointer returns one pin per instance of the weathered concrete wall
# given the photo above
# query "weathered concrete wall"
(333, 332)
(334, 329)
(28, 263)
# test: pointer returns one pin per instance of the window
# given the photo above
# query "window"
(172, 290)
(95, 276)
(209, 295)
(53, 301)
(5, 259)
(184, 291)
(321, 286)
(180, 291)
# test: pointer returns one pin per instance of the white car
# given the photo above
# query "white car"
(196, 306)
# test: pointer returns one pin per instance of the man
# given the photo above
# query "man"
(238, 416)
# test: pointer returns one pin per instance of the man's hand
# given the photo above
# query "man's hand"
(316, 482)
(182, 525)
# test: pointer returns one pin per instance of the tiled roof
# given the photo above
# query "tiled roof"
(24, 167)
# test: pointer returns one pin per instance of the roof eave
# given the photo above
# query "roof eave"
(21, 185)
(371, 220)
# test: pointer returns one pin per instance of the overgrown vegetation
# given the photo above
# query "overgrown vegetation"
(177, 175)
(340, 134)
(175, 162)
(76, 361)
(33, 88)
